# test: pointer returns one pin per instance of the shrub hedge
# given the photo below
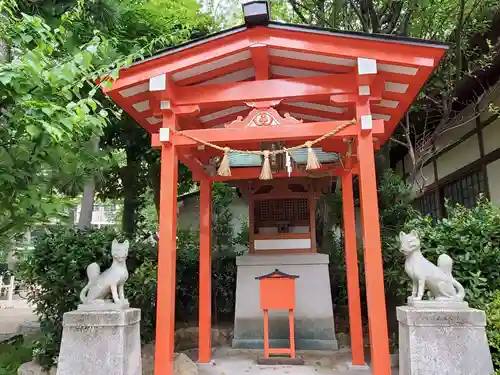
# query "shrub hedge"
(55, 269)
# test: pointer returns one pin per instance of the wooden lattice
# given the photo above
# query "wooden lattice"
(273, 210)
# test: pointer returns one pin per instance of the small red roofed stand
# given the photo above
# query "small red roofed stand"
(277, 292)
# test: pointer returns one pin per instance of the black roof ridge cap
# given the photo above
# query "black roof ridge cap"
(359, 34)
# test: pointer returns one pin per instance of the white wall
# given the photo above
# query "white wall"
(458, 157)
(189, 214)
(468, 151)
(493, 170)
(491, 136)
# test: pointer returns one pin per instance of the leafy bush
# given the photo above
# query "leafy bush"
(472, 238)
(13, 353)
(56, 273)
(493, 329)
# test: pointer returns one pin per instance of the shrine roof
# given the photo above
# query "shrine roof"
(211, 77)
(295, 27)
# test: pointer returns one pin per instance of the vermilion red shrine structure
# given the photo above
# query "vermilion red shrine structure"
(262, 85)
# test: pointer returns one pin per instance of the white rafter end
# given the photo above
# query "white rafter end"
(364, 90)
(164, 134)
(366, 122)
(367, 66)
(158, 83)
(165, 104)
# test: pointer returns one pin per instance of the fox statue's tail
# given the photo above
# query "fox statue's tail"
(93, 272)
(445, 263)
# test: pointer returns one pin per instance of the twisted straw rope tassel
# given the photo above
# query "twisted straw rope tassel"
(312, 160)
(266, 173)
(224, 167)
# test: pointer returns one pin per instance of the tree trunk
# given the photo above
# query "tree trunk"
(130, 176)
(4, 51)
(85, 219)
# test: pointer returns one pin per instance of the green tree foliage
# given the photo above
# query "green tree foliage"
(493, 329)
(52, 52)
(49, 111)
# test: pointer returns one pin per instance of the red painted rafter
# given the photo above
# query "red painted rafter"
(195, 56)
(345, 47)
(290, 108)
(260, 59)
(391, 53)
(225, 119)
(303, 131)
(309, 65)
(276, 89)
(228, 69)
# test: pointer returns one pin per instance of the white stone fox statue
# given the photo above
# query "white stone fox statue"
(426, 275)
(111, 281)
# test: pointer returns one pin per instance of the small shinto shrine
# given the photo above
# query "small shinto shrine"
(278, 110)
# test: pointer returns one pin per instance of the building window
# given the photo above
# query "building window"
(428, 204)
(465, 190)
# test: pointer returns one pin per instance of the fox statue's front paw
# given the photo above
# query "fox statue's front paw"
(414, 298)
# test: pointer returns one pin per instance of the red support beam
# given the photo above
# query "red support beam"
(260, 59)
(165, 305)
(351, 258)
(276, 89)
(205, 295)
(299, 132)
(194, 165)
(374, 271)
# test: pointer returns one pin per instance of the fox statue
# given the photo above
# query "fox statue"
(110, 282)
(425, 275)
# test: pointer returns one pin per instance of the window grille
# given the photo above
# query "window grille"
(465, 190)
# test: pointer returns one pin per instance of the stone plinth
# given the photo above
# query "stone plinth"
(101, 343)
(314, 325)
(444, 341)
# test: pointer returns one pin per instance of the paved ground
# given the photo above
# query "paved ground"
(16, 318)
(242, 362)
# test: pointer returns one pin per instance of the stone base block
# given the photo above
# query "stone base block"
(101, 343)
(443, 342)
(314, 323)
(352, 367)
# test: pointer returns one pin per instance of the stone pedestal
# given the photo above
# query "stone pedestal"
(101, 343)
(443, 341)
(314, 325)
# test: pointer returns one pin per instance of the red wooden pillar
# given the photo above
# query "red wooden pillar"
(205, 306)
(351, 258)
(167, 256)
(374, 272)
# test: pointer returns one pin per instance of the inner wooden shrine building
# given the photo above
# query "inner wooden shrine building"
(278, 110)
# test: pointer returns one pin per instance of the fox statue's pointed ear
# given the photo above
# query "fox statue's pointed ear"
(401, 235)
(414, 233)
(125, 243)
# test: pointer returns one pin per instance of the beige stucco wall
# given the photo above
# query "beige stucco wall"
(424, 177)
(189, 214)
(491, 136)
(493, 170)
(458, 157)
